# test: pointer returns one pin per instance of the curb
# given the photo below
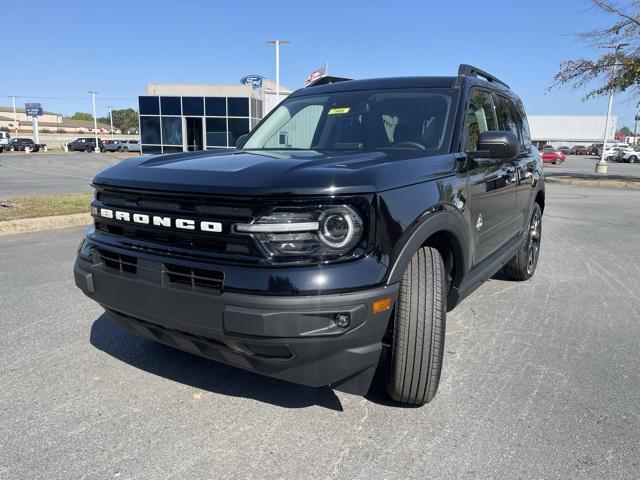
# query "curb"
(27, 225)
(594, 182)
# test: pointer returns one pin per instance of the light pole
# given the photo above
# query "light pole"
(15, 117)
(95, 119)
(59, 119)
(111, 119)
(601, 166)
(277, 43)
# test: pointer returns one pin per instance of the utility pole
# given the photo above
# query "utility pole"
(111, 119)
(95, 119)
(277, 43)
(635, 131)
(601, 166)
(15, 116)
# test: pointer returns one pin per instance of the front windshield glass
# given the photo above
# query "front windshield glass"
(411, 119)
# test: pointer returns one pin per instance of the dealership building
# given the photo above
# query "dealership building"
(187, 117)
(569, 130)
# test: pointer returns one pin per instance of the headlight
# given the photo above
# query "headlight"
(325, 231)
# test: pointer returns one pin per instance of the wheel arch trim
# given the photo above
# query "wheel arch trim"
(442, 221)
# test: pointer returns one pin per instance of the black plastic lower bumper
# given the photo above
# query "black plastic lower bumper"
(293, 338)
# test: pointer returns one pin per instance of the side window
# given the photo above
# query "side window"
(521, 120)
(505, 114)
(479, 118)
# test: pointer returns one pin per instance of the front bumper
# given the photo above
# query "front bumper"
(293, 338)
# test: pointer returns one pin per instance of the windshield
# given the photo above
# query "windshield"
(412, 119)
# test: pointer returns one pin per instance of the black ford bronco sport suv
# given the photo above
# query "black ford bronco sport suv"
(333, 240)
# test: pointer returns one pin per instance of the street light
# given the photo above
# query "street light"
(95, 119)
(277, 43)
(601, 166)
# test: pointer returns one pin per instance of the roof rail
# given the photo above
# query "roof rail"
(465, 70)
(326, 80)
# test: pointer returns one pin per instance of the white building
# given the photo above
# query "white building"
(187, 117)
(569, 130)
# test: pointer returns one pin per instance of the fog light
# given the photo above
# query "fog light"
(381, 305)
(342, 320)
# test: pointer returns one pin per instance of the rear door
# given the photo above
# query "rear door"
(491, 184)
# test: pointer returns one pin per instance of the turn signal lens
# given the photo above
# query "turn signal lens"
(381, 305)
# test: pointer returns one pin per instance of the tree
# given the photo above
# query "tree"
(624, 132)
(123, 119)
(82, 116)
(596, 74)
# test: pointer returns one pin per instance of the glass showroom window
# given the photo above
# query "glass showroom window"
(170, 106)
(172, 131)
(216, 106)
(237, 127)
(216, 132)
(192, 106)
(149, 105)
(150, 130)
(238, 106)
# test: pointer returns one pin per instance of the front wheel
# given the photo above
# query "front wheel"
(125, 149)
(523, 265)
(633, 159)
(412, 370)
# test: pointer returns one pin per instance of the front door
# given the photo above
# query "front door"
(491, 182)
(194, 134)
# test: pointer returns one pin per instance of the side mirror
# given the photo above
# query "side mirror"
(240, 140)
(499, 144)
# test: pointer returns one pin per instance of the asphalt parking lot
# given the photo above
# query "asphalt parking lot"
(51, 173)
(540, 378)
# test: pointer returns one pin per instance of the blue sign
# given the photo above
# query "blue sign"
(254, 80)
(33, 109)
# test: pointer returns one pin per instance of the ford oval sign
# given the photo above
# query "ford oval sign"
(254, 80)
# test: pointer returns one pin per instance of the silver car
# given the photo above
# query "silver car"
(129, 146)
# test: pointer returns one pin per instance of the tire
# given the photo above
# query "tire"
(556, 161)
(412, 370)
(633, 159)
(125, 149)
(103, 149)
(523, 265)
(119, 149)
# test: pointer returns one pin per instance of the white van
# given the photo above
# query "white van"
(4, 139)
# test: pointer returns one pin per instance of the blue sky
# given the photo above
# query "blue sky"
(64, 48)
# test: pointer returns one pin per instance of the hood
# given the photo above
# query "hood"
(238, 172)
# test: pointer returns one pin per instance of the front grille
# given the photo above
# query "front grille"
(194, 277)
(117, 261)
(196, 207)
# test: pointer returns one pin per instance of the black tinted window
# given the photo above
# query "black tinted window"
(170, 105)
(150, 129)
(479, 118)
(238, 107)
(193, 106)
(523, 124)
(149, 105)
(505, 115)
(216, 106)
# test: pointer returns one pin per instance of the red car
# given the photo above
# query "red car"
(553, 156)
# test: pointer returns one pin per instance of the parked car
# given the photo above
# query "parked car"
(551, 155)
(84, 144)
(23, 145)
(4, 139)
(631, 156)
(564, 149)
(129, 146)
(579, 150)
(293, 266)
(594, 148)
(110, 146)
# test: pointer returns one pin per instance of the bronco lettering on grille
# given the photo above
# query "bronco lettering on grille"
(157, 220)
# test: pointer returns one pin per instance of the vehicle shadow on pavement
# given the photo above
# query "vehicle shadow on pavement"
(203, 373)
